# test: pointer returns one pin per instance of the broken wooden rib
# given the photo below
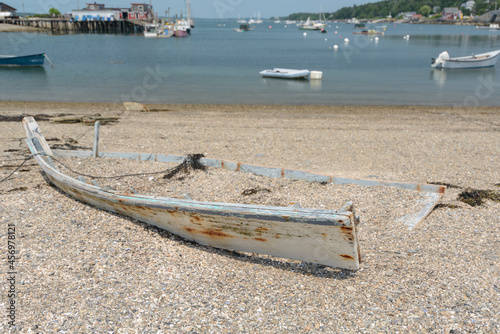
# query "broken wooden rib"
(318, 236)
(433, 193)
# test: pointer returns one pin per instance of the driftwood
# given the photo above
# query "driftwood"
(86, 120)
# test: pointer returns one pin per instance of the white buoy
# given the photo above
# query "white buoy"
(326, 39)
(346, 40)
(305, 34)
(335, 47)
(376, 39)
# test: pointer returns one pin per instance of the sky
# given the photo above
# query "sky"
(221, 9)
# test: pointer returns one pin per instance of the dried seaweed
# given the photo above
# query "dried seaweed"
(192, 162)
(449, 206)
(251, 191)
(475, 197)
(445, 184)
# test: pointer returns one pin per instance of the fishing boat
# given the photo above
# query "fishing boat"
(28, 60)
(285, 73)
(487, 59)
(368, 32)
(328, 237)
(151, 30)
(182, 28)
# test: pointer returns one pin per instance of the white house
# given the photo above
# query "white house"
(6, 11)
(468, 5)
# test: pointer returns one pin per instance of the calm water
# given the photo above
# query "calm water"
(218, 65)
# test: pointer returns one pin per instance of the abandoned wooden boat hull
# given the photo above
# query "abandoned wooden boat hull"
(318, 236)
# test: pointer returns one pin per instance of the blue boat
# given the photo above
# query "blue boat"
(29, 60)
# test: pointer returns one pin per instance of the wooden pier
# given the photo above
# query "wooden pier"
(66, 25)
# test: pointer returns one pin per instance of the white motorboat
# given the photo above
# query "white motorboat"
(487, 59)
(285, 73)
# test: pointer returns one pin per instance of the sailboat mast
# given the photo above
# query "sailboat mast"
(189, 19)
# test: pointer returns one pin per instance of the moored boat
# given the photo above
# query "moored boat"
(481, 60)
(182, 28)
(151, 30)
(368, 32)
(311, 25)
(28, 60)
(285, 73)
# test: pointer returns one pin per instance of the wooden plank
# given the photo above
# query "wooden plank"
(95, 151)
(260, 170)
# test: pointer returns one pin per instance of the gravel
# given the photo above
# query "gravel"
(81, 269)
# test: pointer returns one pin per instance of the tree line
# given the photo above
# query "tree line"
(383, 9)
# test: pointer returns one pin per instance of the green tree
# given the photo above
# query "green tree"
(54, 12)
(425, 10)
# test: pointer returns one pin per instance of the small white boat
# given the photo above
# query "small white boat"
(150, 31)
(285, 73)
(492, 26)
(310, 25)
(487, 59)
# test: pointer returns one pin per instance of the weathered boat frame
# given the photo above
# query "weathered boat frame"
(327, 237)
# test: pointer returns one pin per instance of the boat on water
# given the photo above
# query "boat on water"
(328, 237)
(368, 32)
(27, 60)
(182, 28)
(492, 26)
(481, 60)
(158, 31)
(311, 25)
(285, 73)
(243, 27)
(151, 30)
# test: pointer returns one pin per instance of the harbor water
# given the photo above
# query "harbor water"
(217, 65)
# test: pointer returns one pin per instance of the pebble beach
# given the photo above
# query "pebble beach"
(79, 269)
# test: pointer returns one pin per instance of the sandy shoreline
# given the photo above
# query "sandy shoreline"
(81, 269)
(4, 27)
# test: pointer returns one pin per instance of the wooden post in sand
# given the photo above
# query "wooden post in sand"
(95, 151)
